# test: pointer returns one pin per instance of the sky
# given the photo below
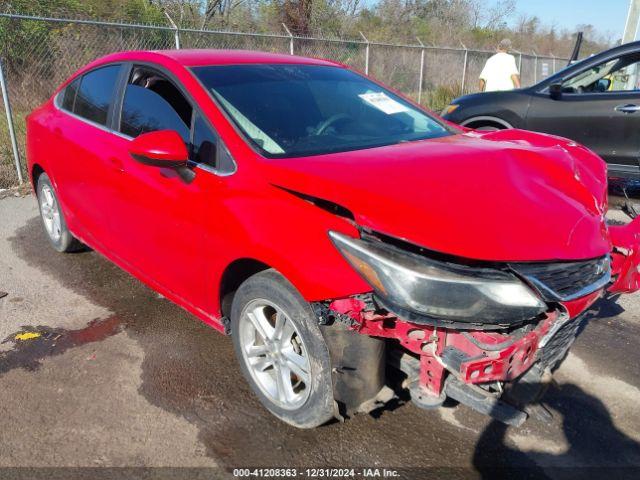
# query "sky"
(607, 16)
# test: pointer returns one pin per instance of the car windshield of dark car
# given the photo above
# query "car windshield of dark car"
(297, 110)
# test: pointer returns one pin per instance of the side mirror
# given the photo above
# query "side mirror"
(162, 148)
(555, 90)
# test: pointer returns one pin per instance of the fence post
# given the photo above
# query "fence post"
(366, 54)
(12, 133)
(520, 63)
(290, 38)
(176, 34)
(535, 68)
(464, 67)
(554, 61)
(421, 70)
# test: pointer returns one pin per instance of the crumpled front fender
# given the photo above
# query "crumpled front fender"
(625, 257)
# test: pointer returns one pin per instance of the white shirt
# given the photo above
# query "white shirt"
(497, 72)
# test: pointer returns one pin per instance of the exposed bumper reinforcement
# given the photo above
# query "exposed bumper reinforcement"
(483, 402)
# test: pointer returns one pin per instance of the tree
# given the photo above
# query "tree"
(491, 18)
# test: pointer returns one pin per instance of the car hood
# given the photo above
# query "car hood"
(498, 196)
(487, 97)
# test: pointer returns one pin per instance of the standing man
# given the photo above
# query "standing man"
(500, 72)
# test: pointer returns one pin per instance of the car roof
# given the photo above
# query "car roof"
(201, 57)
(630, 46)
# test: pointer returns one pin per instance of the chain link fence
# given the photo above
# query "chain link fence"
(40, 53)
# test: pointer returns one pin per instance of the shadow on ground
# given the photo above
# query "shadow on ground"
(610, 451)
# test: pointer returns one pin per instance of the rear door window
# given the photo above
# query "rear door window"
(95, 94)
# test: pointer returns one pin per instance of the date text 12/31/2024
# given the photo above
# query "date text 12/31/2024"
(315, 473)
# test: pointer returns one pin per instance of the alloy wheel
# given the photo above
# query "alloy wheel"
(50, 212)
(275, 354)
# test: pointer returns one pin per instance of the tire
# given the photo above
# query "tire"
(304, 396)
(52, 218)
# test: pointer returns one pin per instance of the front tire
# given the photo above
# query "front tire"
(281, 351)
(488, 128)
(52, 217)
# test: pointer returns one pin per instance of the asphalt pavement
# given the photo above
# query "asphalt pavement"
(97, 370)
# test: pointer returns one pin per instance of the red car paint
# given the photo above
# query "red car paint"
(489, 196)
(165, 146)
(626, 257)
(510, 179)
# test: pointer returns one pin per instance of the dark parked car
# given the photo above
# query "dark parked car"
(595, 102)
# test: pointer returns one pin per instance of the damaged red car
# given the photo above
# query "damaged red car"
(331, 226)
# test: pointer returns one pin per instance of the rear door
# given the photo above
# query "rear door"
(165, 225)
(599, 107)
(82, 172)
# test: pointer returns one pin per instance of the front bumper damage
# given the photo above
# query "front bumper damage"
(474, 366)
(445, 362)
(625, 257)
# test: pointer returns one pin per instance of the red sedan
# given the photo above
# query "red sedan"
(331, 226)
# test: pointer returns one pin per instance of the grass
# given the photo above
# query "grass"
(8, 175)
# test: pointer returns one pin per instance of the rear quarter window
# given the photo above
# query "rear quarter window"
(68, 96)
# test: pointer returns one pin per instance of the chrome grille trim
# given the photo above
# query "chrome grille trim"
(550, 279)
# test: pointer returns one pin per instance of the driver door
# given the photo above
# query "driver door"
(599, 107)
(162, 224)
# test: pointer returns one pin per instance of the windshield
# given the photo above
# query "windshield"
(297, 110)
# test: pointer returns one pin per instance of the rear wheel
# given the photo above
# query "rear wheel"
(52, 217)
(281, 351)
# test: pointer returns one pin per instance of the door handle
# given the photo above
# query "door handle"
(628, 108)
(116, 164)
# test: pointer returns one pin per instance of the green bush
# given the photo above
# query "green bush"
(441, 96)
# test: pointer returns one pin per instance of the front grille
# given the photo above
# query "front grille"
(566, 280)
(558, 345)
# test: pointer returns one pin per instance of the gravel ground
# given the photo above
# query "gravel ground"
(120, 377)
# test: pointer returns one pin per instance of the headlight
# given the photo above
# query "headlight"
(449, 109)
(406, 282)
